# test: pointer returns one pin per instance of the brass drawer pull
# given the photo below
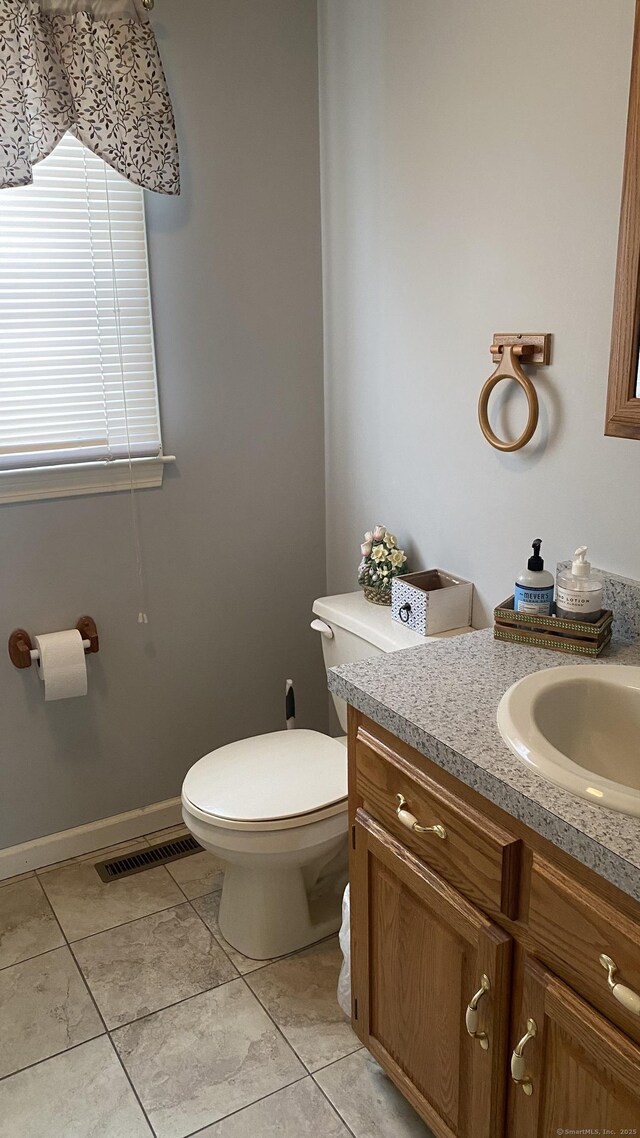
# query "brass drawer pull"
(518, 1067)
(411, 822)
(625, 996)
(471, 1017)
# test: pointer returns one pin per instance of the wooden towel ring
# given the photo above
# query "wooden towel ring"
(509, 368)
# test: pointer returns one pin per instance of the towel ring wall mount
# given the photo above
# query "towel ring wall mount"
(507, 350)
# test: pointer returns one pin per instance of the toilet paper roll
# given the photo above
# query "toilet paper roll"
(62, 664)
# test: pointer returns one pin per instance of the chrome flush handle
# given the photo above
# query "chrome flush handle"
(625, 996)
(411, 822)
(471, 1016)
(518, 1067)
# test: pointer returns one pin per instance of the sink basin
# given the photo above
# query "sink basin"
(579, 727)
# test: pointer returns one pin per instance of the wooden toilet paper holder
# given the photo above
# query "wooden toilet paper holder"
(21, 644)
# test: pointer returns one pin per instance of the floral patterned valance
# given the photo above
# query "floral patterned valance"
(91, 67)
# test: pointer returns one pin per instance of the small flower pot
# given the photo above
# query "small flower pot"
(377, 596)
(432, 601)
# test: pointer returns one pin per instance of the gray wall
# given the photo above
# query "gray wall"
(234, 541)
(472, 163)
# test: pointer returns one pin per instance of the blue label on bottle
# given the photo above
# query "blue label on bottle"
(536, 601)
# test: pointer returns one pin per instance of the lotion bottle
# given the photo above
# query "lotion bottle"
(579, 592)
(534, 588)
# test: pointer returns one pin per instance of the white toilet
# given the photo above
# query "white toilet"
(274, 807)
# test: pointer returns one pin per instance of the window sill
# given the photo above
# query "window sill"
(81, 478)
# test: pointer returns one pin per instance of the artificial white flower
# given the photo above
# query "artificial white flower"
(381, 560)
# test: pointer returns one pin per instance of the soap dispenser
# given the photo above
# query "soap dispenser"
(534, 588)
(579, 591)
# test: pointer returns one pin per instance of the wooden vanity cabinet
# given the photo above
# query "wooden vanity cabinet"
(483, 907)
(421, 953)
(581, 1074)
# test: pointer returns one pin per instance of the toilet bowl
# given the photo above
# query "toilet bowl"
(274, 807)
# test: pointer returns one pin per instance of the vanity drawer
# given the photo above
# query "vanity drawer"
(475, 855)
(571, 927)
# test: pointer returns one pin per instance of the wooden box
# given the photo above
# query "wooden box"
(431, 601)
(579, 638)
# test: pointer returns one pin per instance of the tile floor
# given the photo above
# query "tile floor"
(125, 1014)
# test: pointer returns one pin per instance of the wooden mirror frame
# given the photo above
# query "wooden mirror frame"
(623, 407)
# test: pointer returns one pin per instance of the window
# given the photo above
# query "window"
(78, 394)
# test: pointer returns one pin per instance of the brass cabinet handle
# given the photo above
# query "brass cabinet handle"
(411, 822)
(518, 1067)
(625, 996)
(471, 1017)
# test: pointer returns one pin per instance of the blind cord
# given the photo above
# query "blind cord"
(135, 523)
(90, 225)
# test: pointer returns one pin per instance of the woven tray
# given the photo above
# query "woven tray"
(574, 636)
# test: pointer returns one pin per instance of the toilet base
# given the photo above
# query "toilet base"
(282, 887)
(268, 913)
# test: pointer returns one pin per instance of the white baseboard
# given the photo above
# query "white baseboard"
(86, 839)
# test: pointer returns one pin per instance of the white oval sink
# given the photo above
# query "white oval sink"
(579, 726)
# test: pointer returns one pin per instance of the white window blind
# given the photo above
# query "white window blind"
(77, 366)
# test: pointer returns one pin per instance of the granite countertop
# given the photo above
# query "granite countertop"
(442, 699)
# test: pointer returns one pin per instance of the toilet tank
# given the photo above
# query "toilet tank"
(359, 630)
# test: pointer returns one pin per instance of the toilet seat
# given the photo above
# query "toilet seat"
(270, 782)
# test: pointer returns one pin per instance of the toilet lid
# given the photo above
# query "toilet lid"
(269, 777)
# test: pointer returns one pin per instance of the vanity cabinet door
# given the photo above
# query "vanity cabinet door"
(578, 1073)
(419, 955)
